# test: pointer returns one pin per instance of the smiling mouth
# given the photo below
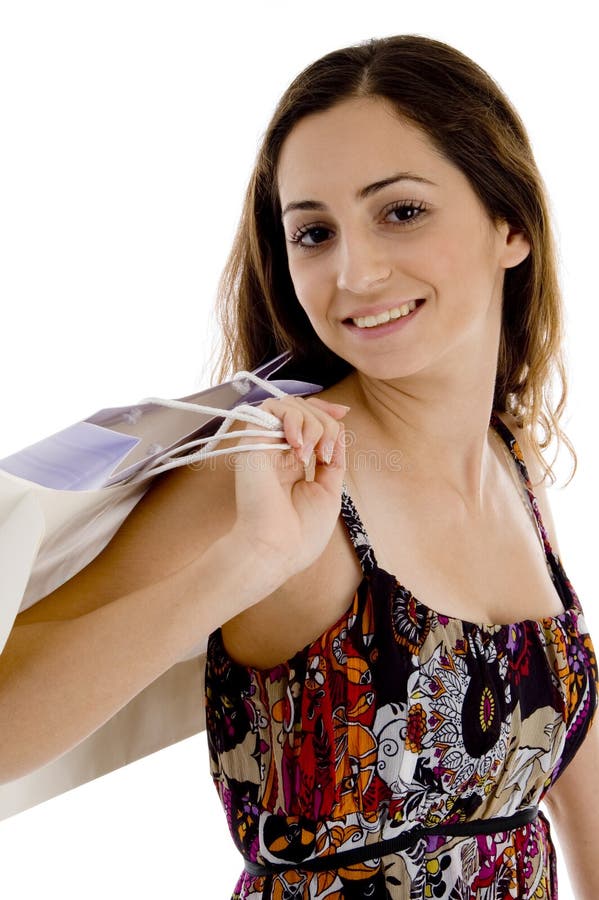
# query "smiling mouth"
(390, 318)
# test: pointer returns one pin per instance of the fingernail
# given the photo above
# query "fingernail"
(342, 406)
(307, 454)
(327, 452)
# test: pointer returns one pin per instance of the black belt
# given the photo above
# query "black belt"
(401, 842)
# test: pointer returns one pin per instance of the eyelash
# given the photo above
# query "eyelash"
(405, 204)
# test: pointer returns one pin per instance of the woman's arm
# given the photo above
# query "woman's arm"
(79, 655)
(61, 680)
(183, 511)
(573, 805)
(199, 548)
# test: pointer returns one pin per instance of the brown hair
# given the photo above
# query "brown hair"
(467, 117)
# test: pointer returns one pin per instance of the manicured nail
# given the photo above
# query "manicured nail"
(327, 452)
(307, 454)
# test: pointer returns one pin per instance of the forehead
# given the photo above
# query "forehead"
(362, 136)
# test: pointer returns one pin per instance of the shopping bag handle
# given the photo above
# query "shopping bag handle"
(244, 412)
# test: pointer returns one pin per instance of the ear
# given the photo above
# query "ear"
(515, 246)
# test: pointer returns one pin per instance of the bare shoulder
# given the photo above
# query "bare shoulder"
(182, 513)
(536, 476)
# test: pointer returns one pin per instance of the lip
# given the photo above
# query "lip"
(377, 310)
(381, 330)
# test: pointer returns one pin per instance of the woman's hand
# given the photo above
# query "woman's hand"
(279, 512)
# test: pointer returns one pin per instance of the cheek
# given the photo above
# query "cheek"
(309, 289)
(459, 266)
(450, 257)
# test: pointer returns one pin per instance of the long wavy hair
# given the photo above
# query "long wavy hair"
(468, 118)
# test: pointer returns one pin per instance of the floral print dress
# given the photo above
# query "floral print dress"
(397, 718)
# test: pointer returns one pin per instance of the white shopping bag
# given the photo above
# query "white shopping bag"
(61, 502)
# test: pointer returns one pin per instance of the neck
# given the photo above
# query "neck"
(432, 428)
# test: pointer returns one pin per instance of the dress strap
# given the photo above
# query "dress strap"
(359, 536)
(514, 448)
(357, 533)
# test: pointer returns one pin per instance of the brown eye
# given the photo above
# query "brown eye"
(412, 209)
(297, 238)
(416, 211)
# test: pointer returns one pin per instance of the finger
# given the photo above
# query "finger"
(303, 426)
(329, 418)
(324, 447)
(291, 416)
(308, 428)
(329, 476)
(321, 439)
(334, 409)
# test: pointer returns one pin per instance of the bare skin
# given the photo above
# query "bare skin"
(460, 569)
(428, 388)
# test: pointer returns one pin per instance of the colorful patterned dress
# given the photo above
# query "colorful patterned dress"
(400, 724)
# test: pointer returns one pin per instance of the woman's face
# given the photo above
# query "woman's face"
(354, 252)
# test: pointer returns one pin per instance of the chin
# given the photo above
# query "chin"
(391, 369)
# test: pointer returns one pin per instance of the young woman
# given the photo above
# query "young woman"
(398, 670)
(386, 722)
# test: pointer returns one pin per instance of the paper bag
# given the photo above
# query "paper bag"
(61, 502)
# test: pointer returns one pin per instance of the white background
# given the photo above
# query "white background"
(129, 130)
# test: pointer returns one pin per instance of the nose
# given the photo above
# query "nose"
(362, 264)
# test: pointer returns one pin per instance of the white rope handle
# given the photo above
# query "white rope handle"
(245, 412)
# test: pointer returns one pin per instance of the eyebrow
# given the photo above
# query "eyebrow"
(362, 194)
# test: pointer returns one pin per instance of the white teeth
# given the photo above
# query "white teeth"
(394, 313)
